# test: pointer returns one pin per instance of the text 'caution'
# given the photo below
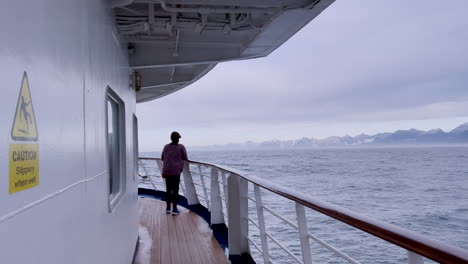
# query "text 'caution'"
(24, 166)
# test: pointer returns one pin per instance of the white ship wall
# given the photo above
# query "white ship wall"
(70, 54)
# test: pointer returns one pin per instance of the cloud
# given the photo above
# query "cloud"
(376, 60)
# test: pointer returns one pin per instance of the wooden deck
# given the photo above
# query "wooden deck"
(183, 238)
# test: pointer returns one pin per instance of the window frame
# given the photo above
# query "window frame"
(135, 148)
(115, 197)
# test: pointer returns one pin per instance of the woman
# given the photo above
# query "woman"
(173, 157)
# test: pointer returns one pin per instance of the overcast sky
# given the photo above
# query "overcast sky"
(364, 66)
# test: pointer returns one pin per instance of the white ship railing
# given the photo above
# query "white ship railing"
(234, 206)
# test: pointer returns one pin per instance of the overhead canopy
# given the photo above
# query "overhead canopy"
(173, 43)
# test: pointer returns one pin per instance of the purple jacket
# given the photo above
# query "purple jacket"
(173, 157)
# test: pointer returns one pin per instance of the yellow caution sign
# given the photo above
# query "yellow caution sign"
(24, 126)
(24, 166)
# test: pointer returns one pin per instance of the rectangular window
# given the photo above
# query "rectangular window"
(115, 148)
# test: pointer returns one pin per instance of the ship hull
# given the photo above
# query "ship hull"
(71, 56)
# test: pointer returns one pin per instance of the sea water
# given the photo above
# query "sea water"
(423, 189)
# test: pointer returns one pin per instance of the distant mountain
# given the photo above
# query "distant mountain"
(460, 130)
(459, 135)
(304, 143)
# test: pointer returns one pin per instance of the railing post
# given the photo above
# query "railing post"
(237, 188)
(414, 258)
(160, 165)
(303, 233)
(202, 179)
(223, 177)
(217, 216)
(261, 223)
(190, 191)
(147, 175)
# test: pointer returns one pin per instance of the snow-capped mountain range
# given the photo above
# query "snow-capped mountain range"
(459, 135)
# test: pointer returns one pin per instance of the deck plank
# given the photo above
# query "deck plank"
(198, 236)
(164, 252)
(213, 246)
(185, 238)
(193, 250)
(172, 240)
(156, 232)
(210, 244)
(182, 238)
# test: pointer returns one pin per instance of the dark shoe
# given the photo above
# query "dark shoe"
(168, 210)
(175, 212)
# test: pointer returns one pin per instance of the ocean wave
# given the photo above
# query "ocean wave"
(418, 189)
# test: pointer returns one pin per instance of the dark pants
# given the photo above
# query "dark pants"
(172, 189)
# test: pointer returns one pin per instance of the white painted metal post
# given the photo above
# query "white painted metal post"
(238, 228)
(147, 175)
(261, 223)
(160, 166)
(182, 184)
(303, 233)
(140, 164)
(223, 177)
(144, 168)
(224, 187)
(190, 191)
(204, 186)
(414, 258)
(217, 216)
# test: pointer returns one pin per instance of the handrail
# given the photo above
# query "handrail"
(409, 240)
